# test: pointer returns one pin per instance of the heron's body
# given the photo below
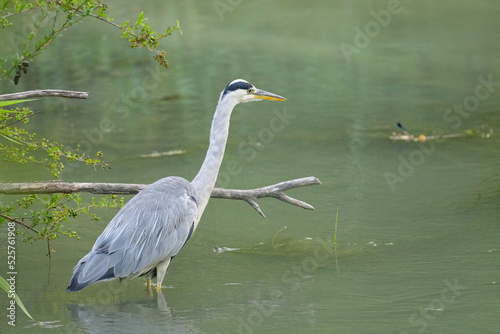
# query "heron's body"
(155, 224)
(133, 244)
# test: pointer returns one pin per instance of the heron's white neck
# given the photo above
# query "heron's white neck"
(204, 182)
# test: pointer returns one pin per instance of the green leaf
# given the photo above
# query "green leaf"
(6, 287)
(8, 103)
(8, 111)
(12, 140)
(5, 3)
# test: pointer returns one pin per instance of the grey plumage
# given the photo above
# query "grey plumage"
(154, 225)
(131, 245)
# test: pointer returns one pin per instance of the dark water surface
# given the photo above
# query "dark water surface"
(417, 233)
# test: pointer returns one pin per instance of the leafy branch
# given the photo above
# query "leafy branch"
(52, 214)
(43, 218)
(141, 35)
(21, 145)
(51, 18)
(48, 9)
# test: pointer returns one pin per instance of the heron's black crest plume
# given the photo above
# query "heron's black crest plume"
(235, 85)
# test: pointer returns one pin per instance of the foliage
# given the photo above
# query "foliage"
(34, 25)
(51, 18)
(21, 145)
(47, 217)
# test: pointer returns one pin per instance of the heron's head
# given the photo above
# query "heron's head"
(243, 91)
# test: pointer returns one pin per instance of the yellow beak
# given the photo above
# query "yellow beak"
(263, 95)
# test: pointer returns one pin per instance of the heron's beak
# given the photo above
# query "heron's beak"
(263, 95)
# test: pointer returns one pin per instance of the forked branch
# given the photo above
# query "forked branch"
(275, 191)
(250, 196)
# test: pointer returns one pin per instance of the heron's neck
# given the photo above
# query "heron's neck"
(204, 182)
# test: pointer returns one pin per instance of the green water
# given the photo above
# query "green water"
(417, 232)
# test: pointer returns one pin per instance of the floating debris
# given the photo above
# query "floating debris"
(162, 154)
(483, 132)
(219, 250)
(421, 138)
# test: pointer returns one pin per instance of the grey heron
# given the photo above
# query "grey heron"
(154, 225)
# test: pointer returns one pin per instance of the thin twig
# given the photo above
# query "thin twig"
(19, 222)
(21, 119)
(48, 247)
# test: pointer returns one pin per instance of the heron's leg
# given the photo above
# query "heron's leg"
(161, 270)
(148, 284)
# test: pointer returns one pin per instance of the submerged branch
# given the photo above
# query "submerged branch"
(44, 93)
(250, 196)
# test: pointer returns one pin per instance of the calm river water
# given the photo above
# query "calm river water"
(418, 247)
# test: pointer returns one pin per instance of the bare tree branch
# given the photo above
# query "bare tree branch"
(44, 93)
(275, 191)
(70, 187)
(250, 196)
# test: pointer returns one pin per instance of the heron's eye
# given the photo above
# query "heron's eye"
(251, 90)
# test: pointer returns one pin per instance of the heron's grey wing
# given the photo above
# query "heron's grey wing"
(152, 227)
